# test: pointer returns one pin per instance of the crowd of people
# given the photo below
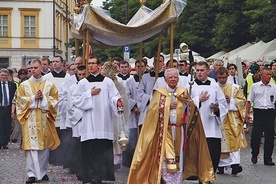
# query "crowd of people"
(173, 122)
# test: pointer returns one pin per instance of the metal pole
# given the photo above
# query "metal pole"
(54, 28)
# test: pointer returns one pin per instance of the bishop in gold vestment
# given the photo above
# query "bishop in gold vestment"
(37, 100)
(160, 149)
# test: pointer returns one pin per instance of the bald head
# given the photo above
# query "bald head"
(79, 61)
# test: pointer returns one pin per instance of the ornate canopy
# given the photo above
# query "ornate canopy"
(145, 24)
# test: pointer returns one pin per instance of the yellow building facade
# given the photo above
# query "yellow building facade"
(34, 28)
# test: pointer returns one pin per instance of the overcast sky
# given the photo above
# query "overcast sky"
(97, 2)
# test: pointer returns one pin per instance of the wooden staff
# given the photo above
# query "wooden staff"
(87, 50)
(158, 56)
(171, 45)
(76, 47)
(140, 63)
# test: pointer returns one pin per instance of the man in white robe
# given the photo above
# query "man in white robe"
(146, 87)
(73, 117)
(36, 110)
(132, 84)
(124, 69)
(58, 76)
(97, 97)
(65, 125)
(204, 93)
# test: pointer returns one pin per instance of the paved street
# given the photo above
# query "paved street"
(12, 170)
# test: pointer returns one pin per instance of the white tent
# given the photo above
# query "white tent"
(255, 52)
(217, 55)
(270, 56)
(220, 55)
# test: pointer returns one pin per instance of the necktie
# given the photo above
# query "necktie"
(5, 94)
(234, 78)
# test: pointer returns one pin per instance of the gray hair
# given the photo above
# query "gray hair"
(5, 70)
(170, 70)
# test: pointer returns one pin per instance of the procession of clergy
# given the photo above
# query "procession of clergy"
(181, 121)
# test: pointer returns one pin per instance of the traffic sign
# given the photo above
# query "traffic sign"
(127, 48)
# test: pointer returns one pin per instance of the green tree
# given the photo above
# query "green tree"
(263, 19)
(231, 27)
(195, 26)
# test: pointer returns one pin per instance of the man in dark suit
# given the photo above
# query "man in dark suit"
(7, 91)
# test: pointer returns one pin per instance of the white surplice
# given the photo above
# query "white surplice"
(211, 124)
(57, 82)
(62, 105)
(74, 114)
(144, 94)
(97, 109)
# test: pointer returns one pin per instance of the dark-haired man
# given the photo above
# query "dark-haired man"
(124, 69)
(233, 136)
(212, 105)
(98, 97)
(146, 86)
(132, 84)
(45, 65)
(73, 117)
(57, 76)
(65, 125)
(232, 77)
(182, 66)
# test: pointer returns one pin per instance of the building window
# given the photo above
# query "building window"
(4, 62)
(29, 26)
(3, 25)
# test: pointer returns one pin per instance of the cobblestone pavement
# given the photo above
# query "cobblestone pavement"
(12, 170)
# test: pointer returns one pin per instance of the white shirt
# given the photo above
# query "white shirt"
(262, 96)
(231, 79)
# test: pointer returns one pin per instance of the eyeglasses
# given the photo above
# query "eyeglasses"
(92, 63)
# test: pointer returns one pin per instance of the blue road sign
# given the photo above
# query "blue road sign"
(127, 48)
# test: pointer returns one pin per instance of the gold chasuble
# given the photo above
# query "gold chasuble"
(38, 127)
(197, 160)
(156, 145)
(233, 136)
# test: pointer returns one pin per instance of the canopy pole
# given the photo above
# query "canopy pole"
(86, 50)
(157, 69)
(76, 47)
(140, 58)
(171, 45)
